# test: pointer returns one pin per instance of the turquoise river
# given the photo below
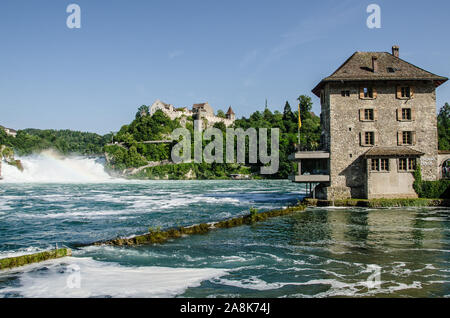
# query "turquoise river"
(321, 252)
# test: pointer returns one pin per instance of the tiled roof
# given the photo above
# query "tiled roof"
(359, 68)
(392, 152)
(230, 111)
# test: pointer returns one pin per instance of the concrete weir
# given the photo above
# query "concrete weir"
(157, 236)
(17, 261)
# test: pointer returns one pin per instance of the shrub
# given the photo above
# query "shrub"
(430, 189)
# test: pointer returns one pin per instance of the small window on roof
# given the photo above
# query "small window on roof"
(391, 70)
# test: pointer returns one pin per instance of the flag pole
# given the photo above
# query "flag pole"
(299, 126)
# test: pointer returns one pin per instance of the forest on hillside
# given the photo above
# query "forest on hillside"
(131, 153)
(66, 142)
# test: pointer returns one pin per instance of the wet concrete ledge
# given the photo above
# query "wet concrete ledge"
(379, 203)
(17, 261)
(157, 236)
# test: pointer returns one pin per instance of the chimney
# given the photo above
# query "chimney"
(395, 50)
(374, 64)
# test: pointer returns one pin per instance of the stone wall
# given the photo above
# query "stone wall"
(173, 113)
(391, 184)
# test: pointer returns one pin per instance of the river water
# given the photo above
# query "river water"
(321, 252)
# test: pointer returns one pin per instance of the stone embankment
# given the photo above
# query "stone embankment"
(17, 261)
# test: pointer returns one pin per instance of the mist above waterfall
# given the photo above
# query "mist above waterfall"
(50, 167)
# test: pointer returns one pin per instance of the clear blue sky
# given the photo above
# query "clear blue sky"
(227, 52)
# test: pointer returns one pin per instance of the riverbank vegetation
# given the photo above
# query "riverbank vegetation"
(430, 189)
(29, 141)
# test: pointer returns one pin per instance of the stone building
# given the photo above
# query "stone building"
(378, 118)
(9, 131)
(202, 112)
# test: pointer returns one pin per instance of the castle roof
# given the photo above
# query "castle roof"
(230, 111)
(399, 151)
(201, 105)
(359, 67)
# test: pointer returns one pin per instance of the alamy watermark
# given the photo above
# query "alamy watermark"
(74, 19)
(374, 19)
(374, 279)
(213, 151)
(74, 278)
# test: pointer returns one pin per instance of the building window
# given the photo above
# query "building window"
(406, 114)
(411, 164)
(379, 164)
(368, 92)
(402, 164)
(368, 114)
(375, 165)
(345, 93)
(407, 164)
(369, 138)
(384, 164)
(406, 92)
(407, 137)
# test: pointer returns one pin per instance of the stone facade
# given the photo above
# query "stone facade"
(343, 129)
(202, 112)
(345, 121)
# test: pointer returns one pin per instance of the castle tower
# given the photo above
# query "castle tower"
(230, 114)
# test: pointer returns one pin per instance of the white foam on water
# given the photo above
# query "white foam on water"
(337, 288)
(101, 279)
(78, 214)
(49, 167)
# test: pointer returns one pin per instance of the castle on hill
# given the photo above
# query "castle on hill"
(202, 111)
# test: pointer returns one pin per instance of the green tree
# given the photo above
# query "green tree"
(142, 111)
(221, 114)
(305, 106)
(443, 122)
(287, 112)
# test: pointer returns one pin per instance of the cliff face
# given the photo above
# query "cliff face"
(7, 154)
